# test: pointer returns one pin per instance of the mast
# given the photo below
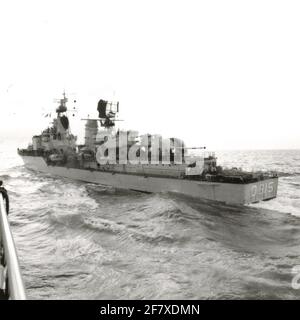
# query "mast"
(63, 104)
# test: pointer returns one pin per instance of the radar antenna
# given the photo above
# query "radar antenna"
(107, 113)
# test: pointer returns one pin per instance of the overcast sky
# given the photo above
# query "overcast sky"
(225, 74)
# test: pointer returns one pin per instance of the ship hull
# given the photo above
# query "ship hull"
(230, 193)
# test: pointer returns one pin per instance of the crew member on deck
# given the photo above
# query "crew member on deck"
(3, 191)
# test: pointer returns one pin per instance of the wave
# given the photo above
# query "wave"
(5, 177)
(287, 174)
(137, 230)
(103, 225)
(98, 189)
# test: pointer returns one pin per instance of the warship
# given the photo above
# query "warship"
(126, 160)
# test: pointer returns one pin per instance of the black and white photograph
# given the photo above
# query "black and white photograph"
(149, 151)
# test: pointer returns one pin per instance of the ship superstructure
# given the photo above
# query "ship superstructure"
(148, 163)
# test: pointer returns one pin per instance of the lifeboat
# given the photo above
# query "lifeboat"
(87, 155)
(56, 157)
(45, 137)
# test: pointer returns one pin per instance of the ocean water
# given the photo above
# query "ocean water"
(85, 241)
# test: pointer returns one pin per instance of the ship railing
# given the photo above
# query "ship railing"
(27, 152)
(11, 282)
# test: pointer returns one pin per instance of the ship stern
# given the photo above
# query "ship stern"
(261, 191)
